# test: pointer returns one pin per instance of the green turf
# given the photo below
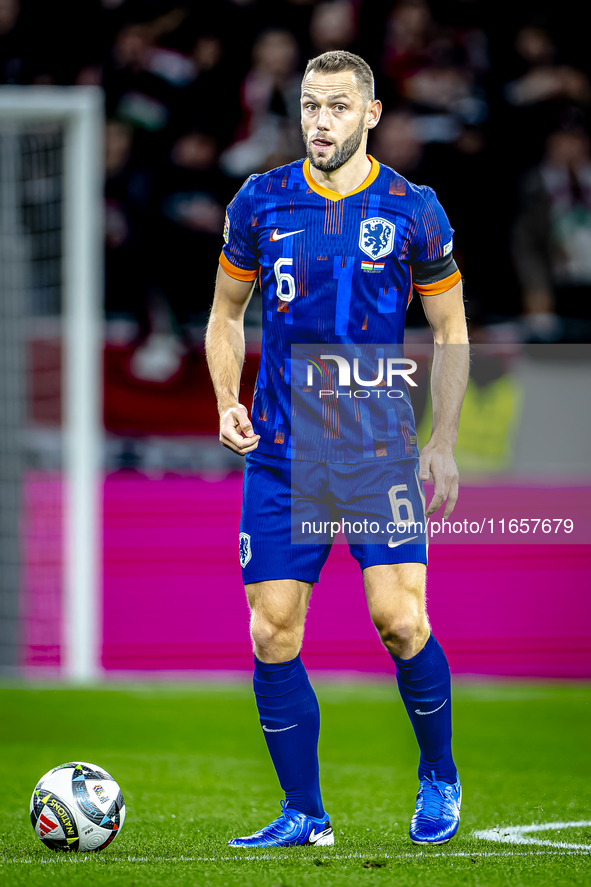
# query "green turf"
(192, 763)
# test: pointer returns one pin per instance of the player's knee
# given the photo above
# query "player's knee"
(281, 635)
(264, 634)
(401, 633)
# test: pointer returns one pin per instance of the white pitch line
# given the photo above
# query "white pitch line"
(503, 853)
(546, 826)
(422, 854)
(515, 834)
(511, 834)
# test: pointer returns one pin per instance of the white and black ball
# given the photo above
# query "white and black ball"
(77, 807)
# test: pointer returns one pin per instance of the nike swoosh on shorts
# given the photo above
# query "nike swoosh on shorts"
(392, 544)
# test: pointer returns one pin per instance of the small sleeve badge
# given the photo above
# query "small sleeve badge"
(244, 549)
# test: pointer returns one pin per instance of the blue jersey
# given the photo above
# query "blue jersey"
(334, 270)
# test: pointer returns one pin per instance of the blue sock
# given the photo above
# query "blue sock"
(290, 718)
(425, 686)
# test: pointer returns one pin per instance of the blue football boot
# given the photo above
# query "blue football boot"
(289, 829)
(437, 814)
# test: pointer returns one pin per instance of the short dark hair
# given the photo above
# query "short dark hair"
(337, 61)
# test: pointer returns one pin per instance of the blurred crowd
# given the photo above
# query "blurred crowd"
(487, 103)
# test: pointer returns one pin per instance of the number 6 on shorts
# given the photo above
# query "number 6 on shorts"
(397, 503)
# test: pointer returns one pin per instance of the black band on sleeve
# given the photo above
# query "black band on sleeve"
(430, 272)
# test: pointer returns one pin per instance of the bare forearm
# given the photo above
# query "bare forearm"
(224, 348)
(449, 378)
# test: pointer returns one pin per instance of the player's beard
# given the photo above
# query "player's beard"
(341, 154)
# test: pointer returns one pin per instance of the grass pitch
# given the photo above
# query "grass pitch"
(193, 766)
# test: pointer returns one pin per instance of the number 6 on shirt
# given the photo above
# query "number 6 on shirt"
(283, 277)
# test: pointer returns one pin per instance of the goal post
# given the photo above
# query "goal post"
(79, 113)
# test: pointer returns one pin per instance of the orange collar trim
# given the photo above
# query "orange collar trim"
(333, 195)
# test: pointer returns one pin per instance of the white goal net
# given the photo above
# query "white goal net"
(50, 379)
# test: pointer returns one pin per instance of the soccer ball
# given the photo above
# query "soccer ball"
(77, 807)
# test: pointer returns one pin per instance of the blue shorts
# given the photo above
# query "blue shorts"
(292, 513)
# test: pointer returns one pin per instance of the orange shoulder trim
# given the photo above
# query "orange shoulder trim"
(440, 286)
(236, 273)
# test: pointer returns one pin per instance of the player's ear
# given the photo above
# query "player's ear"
(373, 114)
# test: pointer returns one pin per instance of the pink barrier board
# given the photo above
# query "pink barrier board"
(41, 574)
(173, 597)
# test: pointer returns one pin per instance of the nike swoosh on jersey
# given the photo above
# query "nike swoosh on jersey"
(313, 837)
(279, 729)
(418, 712)
(277, 236)
(392, 544)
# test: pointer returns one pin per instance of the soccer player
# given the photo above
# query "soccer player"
(338, 242)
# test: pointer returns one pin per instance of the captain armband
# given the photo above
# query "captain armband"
(438, 276)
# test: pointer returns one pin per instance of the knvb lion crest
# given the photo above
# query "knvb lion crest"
(244, 549)
(376, 237)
